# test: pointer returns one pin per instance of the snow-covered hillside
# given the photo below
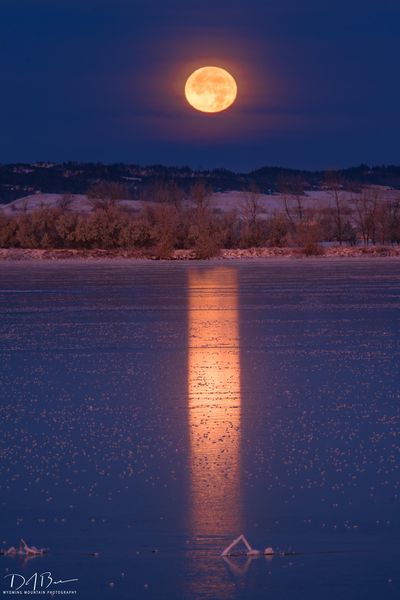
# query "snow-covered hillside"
(75, 202)
(225, 201)
(276, 202)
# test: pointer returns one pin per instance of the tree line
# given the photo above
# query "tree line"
(170, 220)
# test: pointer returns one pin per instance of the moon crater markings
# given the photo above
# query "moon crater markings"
(211, 89)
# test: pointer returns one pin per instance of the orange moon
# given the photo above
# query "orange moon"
(210, 89)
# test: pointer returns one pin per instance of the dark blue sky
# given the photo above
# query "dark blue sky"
(319, 82)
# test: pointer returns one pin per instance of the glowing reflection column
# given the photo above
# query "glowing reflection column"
(214, 401)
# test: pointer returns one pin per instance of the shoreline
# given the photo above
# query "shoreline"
(30, 254)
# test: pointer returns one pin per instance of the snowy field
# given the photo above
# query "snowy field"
(224, 201)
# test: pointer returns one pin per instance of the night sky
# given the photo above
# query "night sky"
(102, 80)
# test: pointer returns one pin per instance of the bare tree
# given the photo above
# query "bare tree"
(277, 228)
(381, 230)
(229, 229)
(166, 192)
(163, 220)
(65, 226)
(365, 207)
(106, 194)
(8, 229)
(394, 221)
(292, 192)
(200, 196)
(64, 203)
(251, 211)
(25, 205)
(203, 233)
(334, 187)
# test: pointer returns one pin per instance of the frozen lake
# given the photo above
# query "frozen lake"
(152, 412)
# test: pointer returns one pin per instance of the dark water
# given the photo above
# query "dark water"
(152, 412)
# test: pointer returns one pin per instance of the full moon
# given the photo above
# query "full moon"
(210, 89)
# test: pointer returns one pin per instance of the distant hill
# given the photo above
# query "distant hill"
(20, 179)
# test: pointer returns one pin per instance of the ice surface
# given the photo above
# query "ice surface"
(150, 413)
